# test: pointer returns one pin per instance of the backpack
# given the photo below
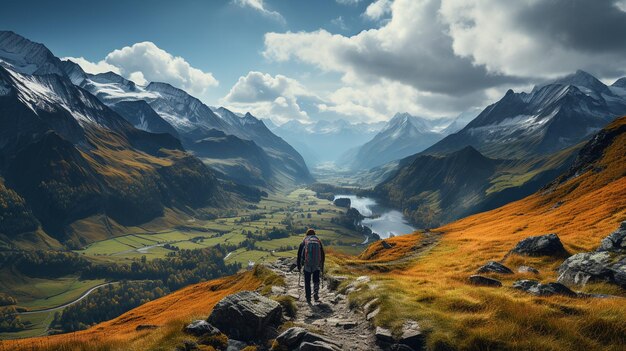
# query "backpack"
(312, 259)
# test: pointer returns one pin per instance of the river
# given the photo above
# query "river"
(381, 220)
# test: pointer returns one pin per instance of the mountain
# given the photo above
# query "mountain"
(160, 107)
(460, 121)
(551, 117)
(436, 189)
(402, 136)
(287, 163)
(324, 141)
(65, 156)
(24, 56)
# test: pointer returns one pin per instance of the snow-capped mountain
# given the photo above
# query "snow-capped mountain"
(402, 136)
(66, 156)
(27, 57)
(325, 141)
(551, 117)
(192, 121)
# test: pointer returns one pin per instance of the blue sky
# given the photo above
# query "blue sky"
(361, 60)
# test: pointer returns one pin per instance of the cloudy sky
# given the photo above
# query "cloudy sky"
(361, 60)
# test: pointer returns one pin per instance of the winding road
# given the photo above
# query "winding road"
(84, 295)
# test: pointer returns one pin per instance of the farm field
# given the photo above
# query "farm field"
(298, 210)
(293, 212)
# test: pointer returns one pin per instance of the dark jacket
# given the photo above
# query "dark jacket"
(301, 255)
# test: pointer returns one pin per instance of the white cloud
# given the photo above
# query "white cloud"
(145, 62)
(434, 56)
(268, 96)
(157, 65)
(538, 39)
(378, 9)
(259, 6)
(93, 67)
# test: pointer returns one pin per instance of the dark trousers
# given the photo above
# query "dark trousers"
(307, 284)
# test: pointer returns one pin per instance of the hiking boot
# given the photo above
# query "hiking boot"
(308, 301)
(316, 298)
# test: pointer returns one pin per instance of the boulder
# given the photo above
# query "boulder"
(386, 245)
(484, 281)
(583, 267)
(294, 338)
(527, 269)
(606, 264)
(542, 245)
(383, 335)
(201, 327)
(494, 267)
(318, 346)
(291, 337)
(400, 347)
(412, 336)
(343, 202)
(616, 241)
(536, 288)
(246, 315)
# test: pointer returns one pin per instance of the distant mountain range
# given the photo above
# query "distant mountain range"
(551, 117)
(160, 107)
(80, 150)
(325, 141)
(513, 148)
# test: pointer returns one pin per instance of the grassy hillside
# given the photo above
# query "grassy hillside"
(169, 314)
(432, 288)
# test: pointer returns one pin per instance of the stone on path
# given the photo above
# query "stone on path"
(383, 335)
(246, 315)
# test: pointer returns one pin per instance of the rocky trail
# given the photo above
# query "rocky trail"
(331, 317)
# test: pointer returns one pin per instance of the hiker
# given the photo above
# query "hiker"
(311, 258)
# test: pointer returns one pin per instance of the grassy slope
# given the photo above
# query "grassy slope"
(170, 313)
(433, 289)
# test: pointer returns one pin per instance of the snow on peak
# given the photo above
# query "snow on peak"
(25, 56)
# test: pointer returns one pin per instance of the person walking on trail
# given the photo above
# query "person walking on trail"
(311, 258)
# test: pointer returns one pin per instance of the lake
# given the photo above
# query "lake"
(381, 220)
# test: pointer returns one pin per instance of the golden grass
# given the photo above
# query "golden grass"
(434, 290)
(170, 313)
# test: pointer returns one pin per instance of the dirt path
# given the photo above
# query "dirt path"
(331, 317)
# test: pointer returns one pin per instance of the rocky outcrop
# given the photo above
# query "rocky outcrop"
(246, 316)
(484, 281)
(607, 264)
(542, 245)
(536, 288)
(616, 241)
(494, 267)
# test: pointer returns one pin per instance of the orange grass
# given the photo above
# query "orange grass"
(170, 313)
(434, 290)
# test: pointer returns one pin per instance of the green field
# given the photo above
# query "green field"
(304, 209)
(300, 209)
